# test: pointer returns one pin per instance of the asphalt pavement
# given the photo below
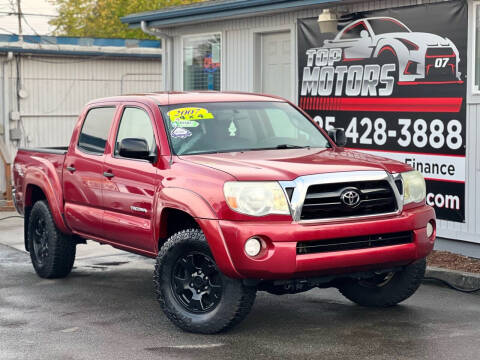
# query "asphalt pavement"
(106, 310)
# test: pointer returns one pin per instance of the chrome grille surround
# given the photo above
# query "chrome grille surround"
(302, 183)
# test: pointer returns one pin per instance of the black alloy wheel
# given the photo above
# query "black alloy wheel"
(40, 240)
(379, 280)
(385, 289)
(52, 252)
(193, 292)
(196, 282)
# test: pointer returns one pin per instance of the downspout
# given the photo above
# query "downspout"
(166, 48)
(5, 142)
(6, 117)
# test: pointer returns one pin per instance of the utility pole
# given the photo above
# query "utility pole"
(19, 14)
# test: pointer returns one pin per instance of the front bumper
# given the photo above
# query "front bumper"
(281, 261)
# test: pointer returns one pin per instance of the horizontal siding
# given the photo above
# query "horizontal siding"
(474, 187)
(2, 107)
(238, 38)
(470, 230)
(239, 56)
(58, 88)
(286, 18)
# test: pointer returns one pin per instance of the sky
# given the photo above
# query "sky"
(33, 24)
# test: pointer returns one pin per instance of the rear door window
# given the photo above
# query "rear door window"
(95, 130)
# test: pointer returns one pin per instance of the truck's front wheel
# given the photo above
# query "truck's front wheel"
(191, 290)
(385, 289)
(52, 253)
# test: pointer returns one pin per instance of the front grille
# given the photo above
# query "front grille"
(289, 191)
(441, 51)
(324, 201)
(354, 243)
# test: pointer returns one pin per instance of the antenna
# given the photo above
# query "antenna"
(19, 13)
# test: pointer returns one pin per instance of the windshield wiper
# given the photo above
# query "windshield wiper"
(289, 146)
(279, 147)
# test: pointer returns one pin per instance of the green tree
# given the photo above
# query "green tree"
(101, 18)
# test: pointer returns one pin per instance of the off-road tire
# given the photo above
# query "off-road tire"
(235, 302)
(61, 249)
(401, 286)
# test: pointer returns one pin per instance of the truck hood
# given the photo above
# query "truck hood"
(286, 165)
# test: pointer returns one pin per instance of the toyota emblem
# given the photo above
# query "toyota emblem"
(350, 198)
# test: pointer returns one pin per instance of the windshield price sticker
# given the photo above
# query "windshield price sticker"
(189, 114)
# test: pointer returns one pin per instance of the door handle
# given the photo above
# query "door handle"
(71, 169)
(108, 174)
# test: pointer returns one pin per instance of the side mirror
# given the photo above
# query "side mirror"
(364, 34)
(338, 136)
(134, 148)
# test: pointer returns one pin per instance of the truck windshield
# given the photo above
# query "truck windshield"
(203, 128)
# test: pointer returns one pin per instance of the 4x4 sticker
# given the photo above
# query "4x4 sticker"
(180, 133)
(185, 123)
(190, 114)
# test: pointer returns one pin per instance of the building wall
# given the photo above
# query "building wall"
(238, 39)
(470, 230)
(57, 88)
(238, 73)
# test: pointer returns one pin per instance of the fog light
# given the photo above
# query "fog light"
(429, 229)
(253, 246)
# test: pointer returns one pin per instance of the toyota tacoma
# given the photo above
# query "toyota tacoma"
(232, 194)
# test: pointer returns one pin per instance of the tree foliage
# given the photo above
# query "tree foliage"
(101, 18)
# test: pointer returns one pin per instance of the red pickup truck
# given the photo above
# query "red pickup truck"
(232, 194)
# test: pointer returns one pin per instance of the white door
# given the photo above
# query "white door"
(277, 64)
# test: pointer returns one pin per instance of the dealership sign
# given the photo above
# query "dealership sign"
(395, 81)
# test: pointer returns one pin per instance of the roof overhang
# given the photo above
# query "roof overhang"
(217, 10)
(19, 48)
(50, 45)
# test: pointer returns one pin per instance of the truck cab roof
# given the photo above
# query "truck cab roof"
(185, 97)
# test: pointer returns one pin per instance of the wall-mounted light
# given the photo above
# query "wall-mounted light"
(327, 21)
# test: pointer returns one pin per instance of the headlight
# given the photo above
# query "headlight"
(413, 187)
(256, 198)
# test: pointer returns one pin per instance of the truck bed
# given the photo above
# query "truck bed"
(61, 150)
(45, 165)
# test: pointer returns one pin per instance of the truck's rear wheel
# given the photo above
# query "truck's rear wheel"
(191, 290)
(52, 253)
(385, 289)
